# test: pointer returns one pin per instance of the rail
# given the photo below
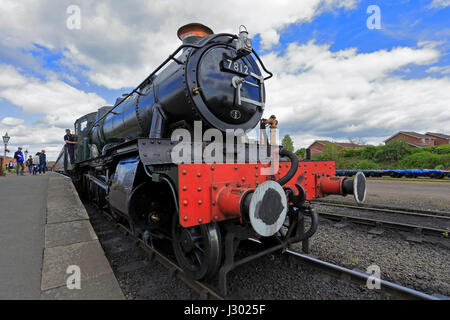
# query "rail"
(362, 278)
(202, 289)
(438, 224)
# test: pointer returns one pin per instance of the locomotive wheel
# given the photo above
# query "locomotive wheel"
(198, 249)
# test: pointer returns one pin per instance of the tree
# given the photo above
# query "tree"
(424, 160)
(287, 143)
(368, 152)
(330, 152)
(301, 153)
(359, 141)
(392, 151)
(367, 165)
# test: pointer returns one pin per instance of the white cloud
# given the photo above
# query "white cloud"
(60, 103)
(10, 77)
(34, 138)
(440, 3)
(122, 42)
(441, 70)
(347, 94)
(10, 121)
(315, 93)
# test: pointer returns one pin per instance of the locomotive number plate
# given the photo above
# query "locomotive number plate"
(235, 66)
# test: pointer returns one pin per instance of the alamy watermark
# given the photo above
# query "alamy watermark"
(374, 280)
(236, 147)
(73, 21)
(74, 279)
(374, 20)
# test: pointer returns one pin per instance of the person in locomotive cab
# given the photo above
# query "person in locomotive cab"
(69, 139)
(18, 155)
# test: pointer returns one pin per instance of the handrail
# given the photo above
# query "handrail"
(171, 57)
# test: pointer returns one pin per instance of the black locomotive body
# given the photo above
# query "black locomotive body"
(124, 159)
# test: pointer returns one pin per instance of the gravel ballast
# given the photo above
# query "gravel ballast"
(402, 194)
(138, 278)
(270, 277)
(412, 260)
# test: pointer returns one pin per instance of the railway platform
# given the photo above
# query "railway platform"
(49, 249)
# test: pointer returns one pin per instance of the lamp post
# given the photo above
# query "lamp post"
(5, 141)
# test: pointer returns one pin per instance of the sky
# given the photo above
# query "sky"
(343, 70)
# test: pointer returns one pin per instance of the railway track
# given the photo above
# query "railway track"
(389, 288)
(206, 291)
(383, 207)
(425, 180)
(395, 290)
(432, 222)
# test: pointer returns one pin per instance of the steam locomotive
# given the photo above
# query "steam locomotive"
(125, 158)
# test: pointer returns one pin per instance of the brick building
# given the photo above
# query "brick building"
(440, 138)
(317, 146)
(419, 140)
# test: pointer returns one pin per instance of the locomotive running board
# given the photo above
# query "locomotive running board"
(155, 151)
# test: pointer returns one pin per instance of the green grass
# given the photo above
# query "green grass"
(395, 155)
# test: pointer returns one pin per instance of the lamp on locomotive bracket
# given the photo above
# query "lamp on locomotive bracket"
(244, 43)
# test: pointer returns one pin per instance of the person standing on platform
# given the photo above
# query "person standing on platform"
(35, 164)
(69, 139)
(30, 164)
(18, 155)
(42, 162)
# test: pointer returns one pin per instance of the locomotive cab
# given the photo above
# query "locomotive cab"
(83, 128)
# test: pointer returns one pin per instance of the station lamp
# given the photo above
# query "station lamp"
(5, 141)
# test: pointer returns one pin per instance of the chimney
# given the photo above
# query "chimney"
(191, 32)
